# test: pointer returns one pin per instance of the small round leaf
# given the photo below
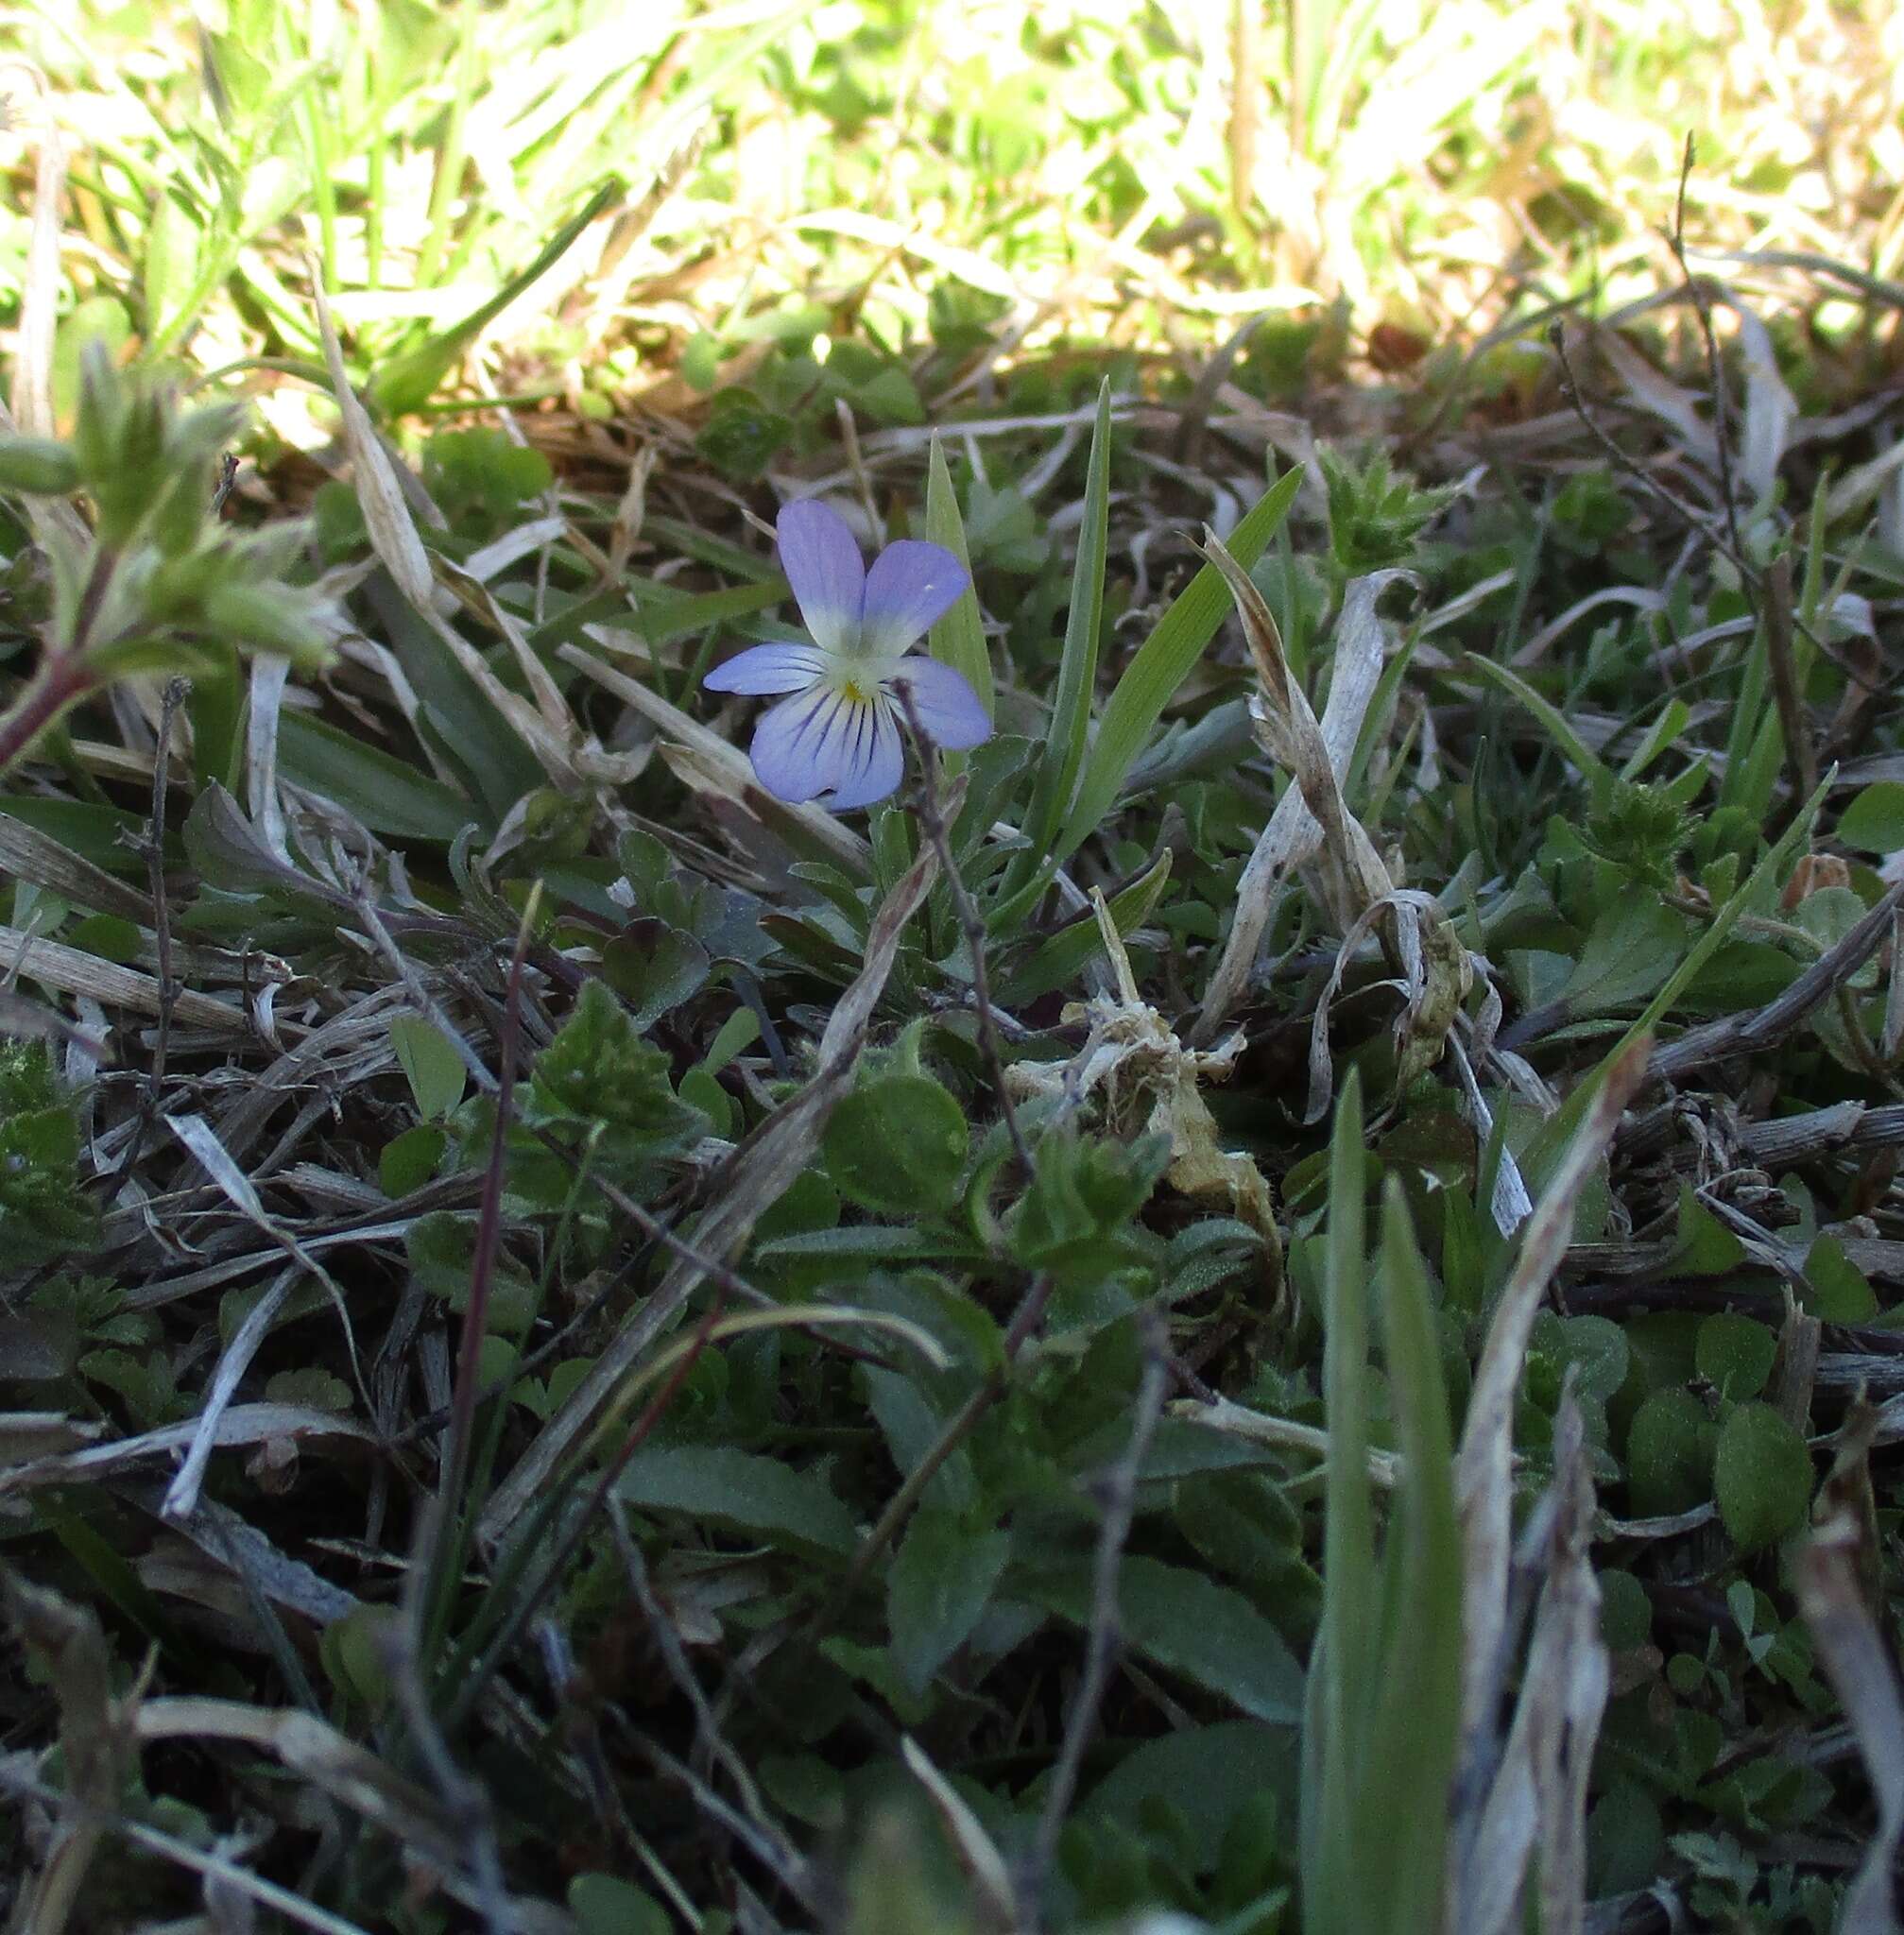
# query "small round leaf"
(1763, 1476)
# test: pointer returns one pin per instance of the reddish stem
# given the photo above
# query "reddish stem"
(62, 681)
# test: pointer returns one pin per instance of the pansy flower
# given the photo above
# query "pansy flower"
(836, 738)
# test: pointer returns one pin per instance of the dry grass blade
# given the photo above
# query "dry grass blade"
(1754, 1030)
(40, 289)
(27, 957)
(1859, 1665)
(1354, 878)
(393, 534)
(759, 1173)
(1292, 833)
(182, 1496)
(978, 1855)
(242, 1424)
(28, 854)
(1537, 1795)
(1483, 1465)
(1286, 1434)
(96, 1743)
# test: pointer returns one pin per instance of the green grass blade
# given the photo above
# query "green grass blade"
(409, 380)
(958, 639)
(1417, 1708)
(1591, 768)
(1340, 1677)
(1061, 959)
(1162, 663)
(1077, 671)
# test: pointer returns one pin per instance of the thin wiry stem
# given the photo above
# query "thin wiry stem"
(972, 923)
(1101, 1649)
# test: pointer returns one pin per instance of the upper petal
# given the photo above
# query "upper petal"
(824, 567)
(946, 706)
(782, 666)
(910, 587)
(874, 758)
(803, 746)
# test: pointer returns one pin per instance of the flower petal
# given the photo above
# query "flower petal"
(875, 760)
(783, 666)
(824, 567)
(910, 587)
(796, 749)
(946, 706)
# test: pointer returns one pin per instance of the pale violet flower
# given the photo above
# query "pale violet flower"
(836, 739)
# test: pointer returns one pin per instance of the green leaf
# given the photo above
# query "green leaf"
(1840, 1292)
(654, 968)
(942, 1577)
(171, 261)
(1702, 1247)
(407, 382)
(1668, 1458)
(1580, 755)
(391, 795)
(1187, 1624)
(1085, 1191)
(430, 1061)
(740, 1492)
(1412, 1739)
(1077, 669)
(1735, 1353)
(1162, 663)
(1059, 960)
(958, 639)
(1340, 1686)
(606, 1905)
(898, 1145)
(1207, 1774)
(1874, 822)
(598, 1070)
(1763, 1476)
(1631, 948)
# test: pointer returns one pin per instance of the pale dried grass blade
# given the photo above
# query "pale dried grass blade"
(242, 1424)
(268, 676)
(1484, 1463)
(1770, 409)
(1858, 1664)
(181, 1496)
(1537, 1796)
(28, 854)
(25, 957)
(96, 1745)
(32, 394)
(393, 533)
(978, 1853)
(1292, 833)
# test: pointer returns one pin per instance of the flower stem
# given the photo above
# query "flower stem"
(61, 681)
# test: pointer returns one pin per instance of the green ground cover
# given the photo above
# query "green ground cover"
(1267, 1302)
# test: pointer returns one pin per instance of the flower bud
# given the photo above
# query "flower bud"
(38, 467)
